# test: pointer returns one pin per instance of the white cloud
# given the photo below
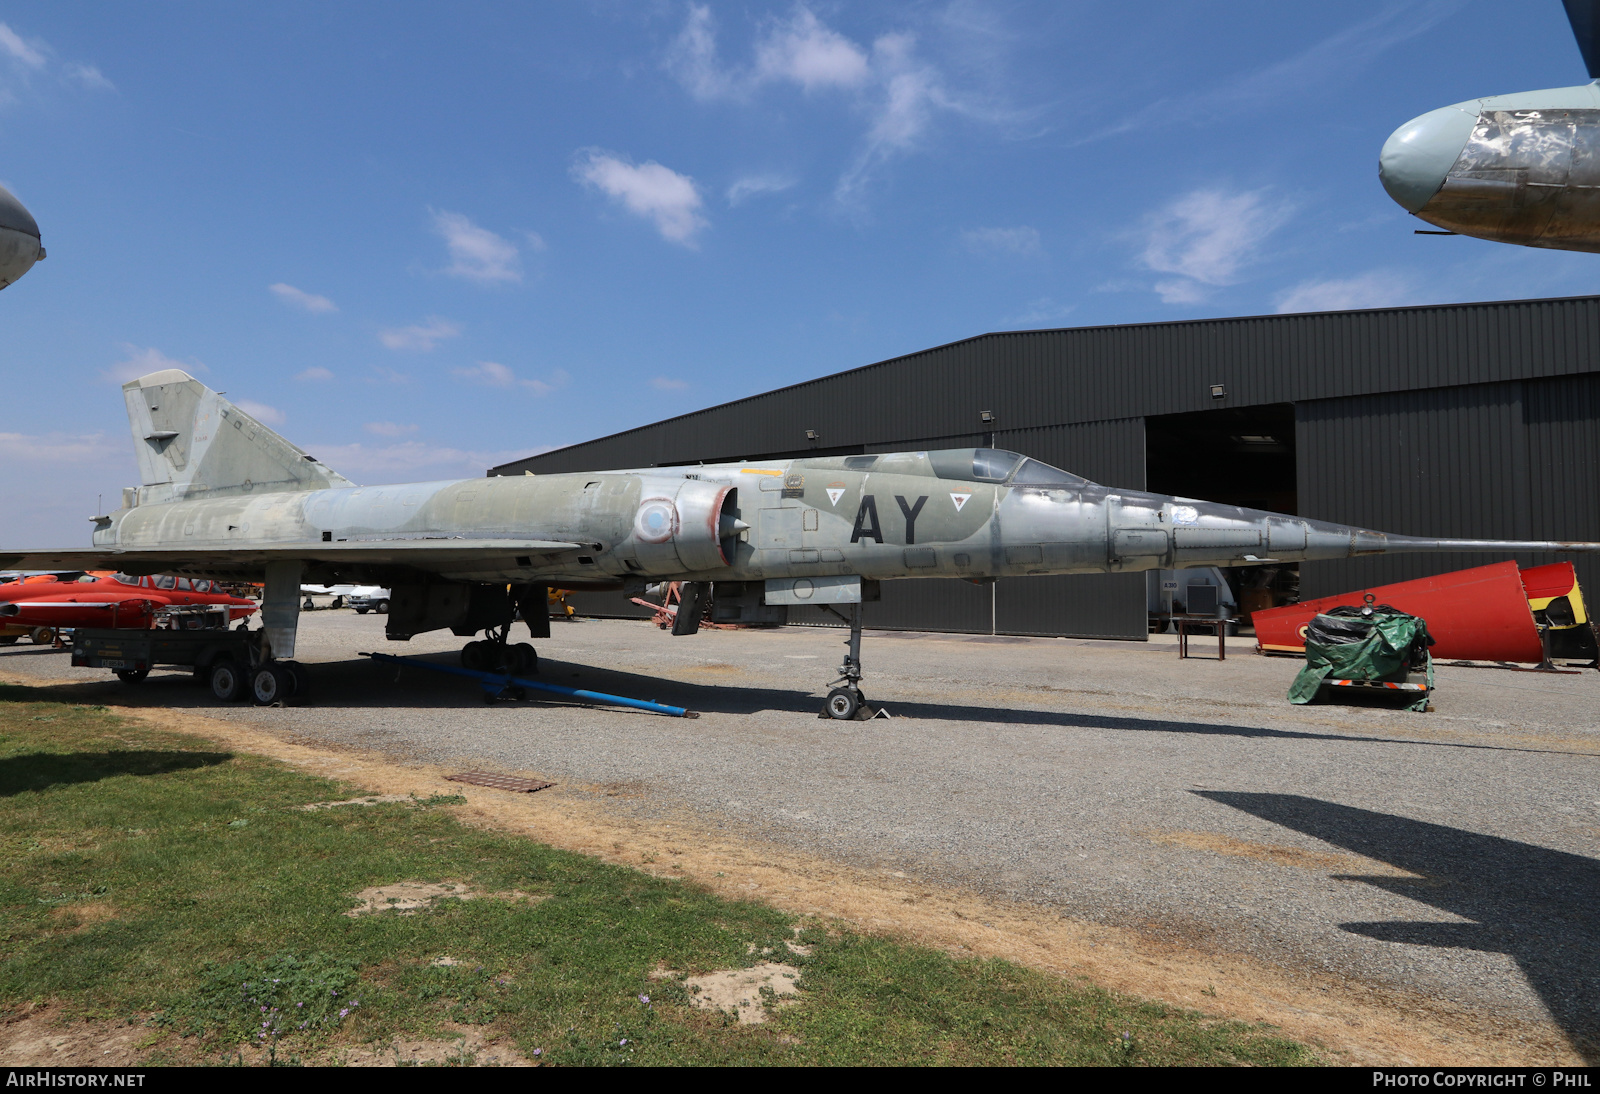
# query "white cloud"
(261, 412)
(494, 374)
(29, 63)
(811, 55)
(53, 448)
(667, 383)
(1043, 312)
(413, 461)
(751, 185)
(315, 374)
(902, 101)
(89, 76)
(1018, 241)
(1306, 74)
(535, 241)
(11, 43)
(382, 375)
(477, 254)
(138, 362)
(1206, 237)
(310, 302)
(1181, 292)
(389, 429)
(59, 476)
(1376, 289)
(692, 57)
(420, 337)
(649, 190)
(898, 92)
(488, 373)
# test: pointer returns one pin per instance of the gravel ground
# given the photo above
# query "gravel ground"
(1451, 853)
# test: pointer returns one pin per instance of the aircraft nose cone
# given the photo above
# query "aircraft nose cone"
(1417, 156)
(14, 215)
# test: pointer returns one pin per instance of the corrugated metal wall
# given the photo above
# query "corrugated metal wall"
(1044, 378)
(1514, 460)
(1562, 419)
(1471, 419)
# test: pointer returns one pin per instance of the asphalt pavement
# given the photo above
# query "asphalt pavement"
(1451, 853)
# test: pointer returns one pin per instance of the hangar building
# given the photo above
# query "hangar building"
(1475, 420)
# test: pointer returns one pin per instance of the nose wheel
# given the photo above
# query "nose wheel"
(843, 704)
(845, 701)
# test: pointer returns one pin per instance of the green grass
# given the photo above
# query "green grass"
(151, 877)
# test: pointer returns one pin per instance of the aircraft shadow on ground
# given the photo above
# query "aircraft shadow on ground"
(360, 683)
(1540, 907)
(44, 770)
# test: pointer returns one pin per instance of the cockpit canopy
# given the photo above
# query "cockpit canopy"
(993, 465)
(999, 466)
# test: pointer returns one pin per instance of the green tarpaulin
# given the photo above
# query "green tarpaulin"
(1375, 643)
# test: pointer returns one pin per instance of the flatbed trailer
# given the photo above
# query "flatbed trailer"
(229, 660)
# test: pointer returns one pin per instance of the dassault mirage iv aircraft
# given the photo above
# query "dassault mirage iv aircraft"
(1521, 168)
(225, 497)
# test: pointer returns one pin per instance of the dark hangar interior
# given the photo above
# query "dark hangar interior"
(1472, 420)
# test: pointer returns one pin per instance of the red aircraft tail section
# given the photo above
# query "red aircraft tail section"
(1487, 613)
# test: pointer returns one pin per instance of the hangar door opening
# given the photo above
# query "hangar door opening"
(1238, 456)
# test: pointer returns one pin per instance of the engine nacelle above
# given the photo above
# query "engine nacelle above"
(684, 524)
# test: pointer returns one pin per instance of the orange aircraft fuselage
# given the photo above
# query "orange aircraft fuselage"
(109, 600)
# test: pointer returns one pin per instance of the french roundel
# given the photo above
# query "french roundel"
(656, 521)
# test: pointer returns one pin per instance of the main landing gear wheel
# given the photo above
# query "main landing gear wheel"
(299, 677)
(498, 657)
(42, 636)
(527, 657)
(271, 684)
(227, 681)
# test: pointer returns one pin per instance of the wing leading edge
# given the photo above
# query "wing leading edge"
(459, 559)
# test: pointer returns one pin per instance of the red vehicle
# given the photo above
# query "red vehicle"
(42, 608)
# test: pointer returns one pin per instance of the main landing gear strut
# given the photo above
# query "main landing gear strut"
(845, 701)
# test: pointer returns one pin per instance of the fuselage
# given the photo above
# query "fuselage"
(960, 513)
(1522, 168)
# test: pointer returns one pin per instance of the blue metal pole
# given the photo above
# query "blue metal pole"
(491, 678)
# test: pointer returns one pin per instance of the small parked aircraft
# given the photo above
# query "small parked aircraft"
(43, 608)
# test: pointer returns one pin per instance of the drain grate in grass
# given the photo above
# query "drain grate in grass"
(499, 782)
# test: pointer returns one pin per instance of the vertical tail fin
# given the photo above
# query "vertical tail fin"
(190, 441)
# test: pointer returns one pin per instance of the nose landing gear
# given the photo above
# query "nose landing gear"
(845, 702)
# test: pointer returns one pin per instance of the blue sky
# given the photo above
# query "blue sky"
(421, 239)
